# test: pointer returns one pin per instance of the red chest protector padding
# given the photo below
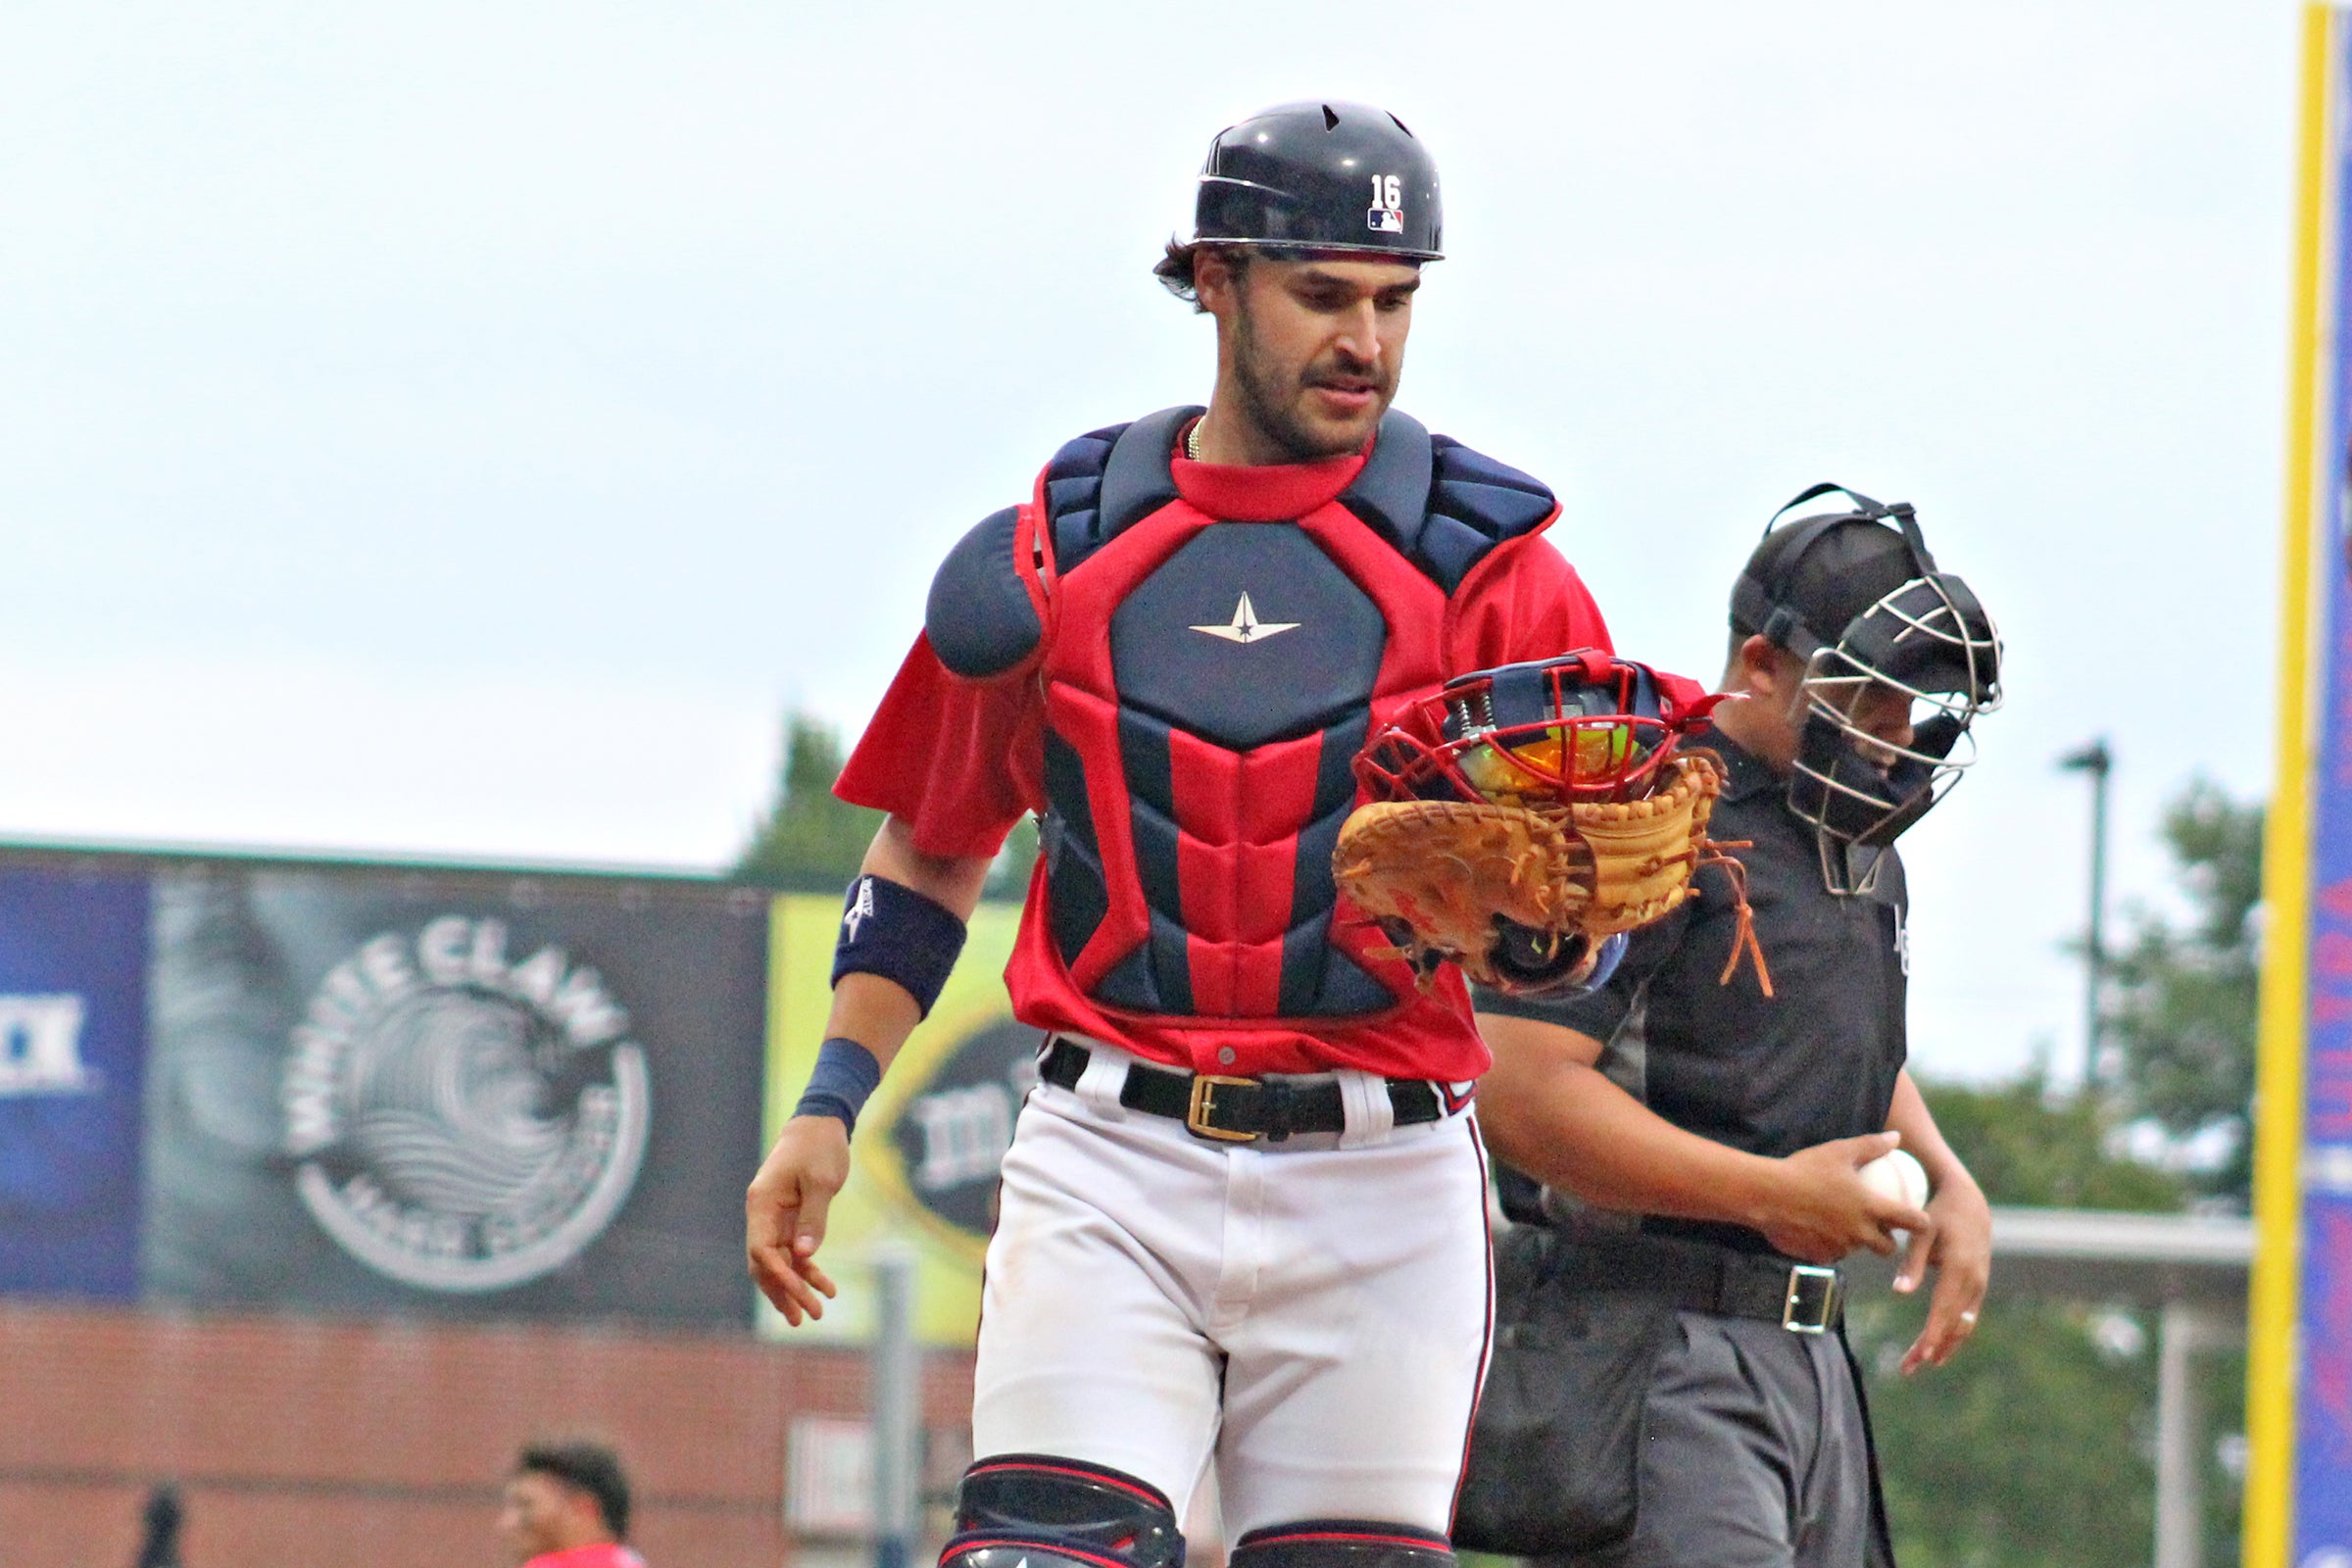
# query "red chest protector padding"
(1208, 683)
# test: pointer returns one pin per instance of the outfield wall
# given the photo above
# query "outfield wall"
(300, 1443)
(326, 1183)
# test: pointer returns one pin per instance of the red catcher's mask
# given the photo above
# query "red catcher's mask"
(1585, 727)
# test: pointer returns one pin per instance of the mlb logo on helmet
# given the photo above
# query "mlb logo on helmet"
(1387, 213)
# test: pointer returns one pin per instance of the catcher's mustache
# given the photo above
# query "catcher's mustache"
(1347, 376)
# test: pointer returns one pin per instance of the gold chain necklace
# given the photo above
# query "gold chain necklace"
(1192, 441)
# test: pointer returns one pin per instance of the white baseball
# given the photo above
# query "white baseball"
(1896, 1175)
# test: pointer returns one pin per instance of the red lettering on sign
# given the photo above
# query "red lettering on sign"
(2332, 954)
(2336, 899)
(2329, 1099)
(2327, 1327)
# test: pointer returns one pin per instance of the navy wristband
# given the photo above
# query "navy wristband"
(846, 1074)
(888, 929)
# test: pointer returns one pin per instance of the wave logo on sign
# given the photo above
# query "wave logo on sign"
(40, 1048)
(464, 1122)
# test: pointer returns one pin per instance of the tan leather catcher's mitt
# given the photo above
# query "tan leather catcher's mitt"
(1505, 888)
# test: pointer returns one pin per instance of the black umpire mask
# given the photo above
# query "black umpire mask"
(1917, 633)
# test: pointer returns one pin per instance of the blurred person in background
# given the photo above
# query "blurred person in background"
(159, 1544)
(568, 1506)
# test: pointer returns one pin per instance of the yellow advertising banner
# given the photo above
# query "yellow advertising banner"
(924, 1164)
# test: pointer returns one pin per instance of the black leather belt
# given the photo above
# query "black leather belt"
(1702, 1277)
(1237, 1110)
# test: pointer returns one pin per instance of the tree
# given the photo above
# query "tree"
(2031, 1449)
(2033, 1445)
(2185, 999)
(812, 839)
(2030, 1148)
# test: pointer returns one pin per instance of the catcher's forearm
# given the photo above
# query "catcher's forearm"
(1547, 1111)
(879, 1013)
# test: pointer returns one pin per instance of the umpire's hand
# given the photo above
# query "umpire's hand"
(1820, 1208)
(1958, 1245)
(784, 1215)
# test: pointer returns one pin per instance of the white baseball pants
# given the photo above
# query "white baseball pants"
(1311, 1316)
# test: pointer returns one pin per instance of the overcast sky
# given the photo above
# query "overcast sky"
(463, 429)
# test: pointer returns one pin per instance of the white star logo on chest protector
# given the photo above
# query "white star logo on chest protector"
(1246, 628)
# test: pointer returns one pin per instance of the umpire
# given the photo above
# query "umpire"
(1689, 1147)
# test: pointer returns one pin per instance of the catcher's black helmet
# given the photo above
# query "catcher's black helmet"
(1857, 597)
(1324, 176)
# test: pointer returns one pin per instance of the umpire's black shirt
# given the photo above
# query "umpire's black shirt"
(1816, 1061)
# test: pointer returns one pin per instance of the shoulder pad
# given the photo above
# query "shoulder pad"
(979, 616)
(1108, 481)
(1442, 505)
(1474, 505)
(1391, 494)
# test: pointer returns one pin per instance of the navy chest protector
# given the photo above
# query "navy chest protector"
(1208, 684)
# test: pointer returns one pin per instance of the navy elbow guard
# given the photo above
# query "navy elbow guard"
(888, 929)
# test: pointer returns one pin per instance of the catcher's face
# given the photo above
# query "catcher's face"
(1309, 352)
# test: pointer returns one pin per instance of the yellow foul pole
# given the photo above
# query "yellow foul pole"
(2287, 849)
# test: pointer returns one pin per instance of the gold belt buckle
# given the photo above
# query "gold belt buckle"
(1205, 1093)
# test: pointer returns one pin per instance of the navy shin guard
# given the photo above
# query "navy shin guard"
(1059, 1513)
(1342, 1543)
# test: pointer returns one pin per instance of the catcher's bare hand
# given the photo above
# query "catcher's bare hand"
(1820, 1208)
(784, 1215)
(1958, 1245)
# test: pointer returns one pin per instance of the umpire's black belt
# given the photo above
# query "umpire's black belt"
(1703, 1277)
(1237, 1110)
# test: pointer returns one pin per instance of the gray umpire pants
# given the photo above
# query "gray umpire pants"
(1755, 1455)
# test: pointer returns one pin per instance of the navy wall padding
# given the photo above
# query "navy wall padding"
(979, 616)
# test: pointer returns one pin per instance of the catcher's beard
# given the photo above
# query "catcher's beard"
(1270, 398)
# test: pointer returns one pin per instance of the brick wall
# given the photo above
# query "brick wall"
(302, 1444)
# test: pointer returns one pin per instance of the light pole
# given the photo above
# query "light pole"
(2098, 761)
(897, 1410)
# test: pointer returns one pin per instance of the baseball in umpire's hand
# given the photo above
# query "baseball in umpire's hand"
(784, 1215)
(1824, 1209)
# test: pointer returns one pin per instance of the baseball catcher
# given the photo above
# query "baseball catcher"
(1241, 1222)
(1524, 818)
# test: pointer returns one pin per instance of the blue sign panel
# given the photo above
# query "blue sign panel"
(2322, 1481)
(72, 1059)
